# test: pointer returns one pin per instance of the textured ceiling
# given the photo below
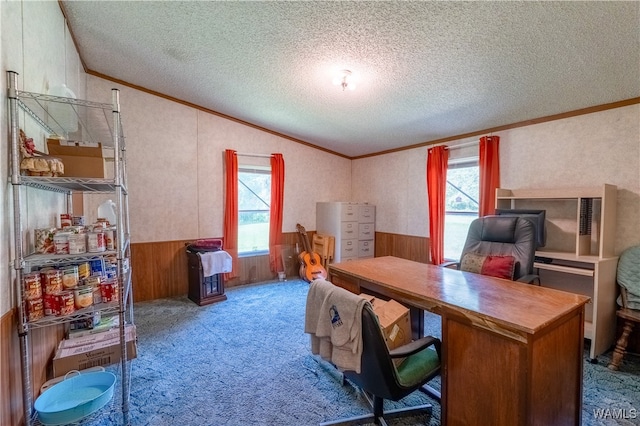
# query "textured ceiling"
(423, 70)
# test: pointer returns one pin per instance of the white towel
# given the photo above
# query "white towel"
(334, 321)
(215, 262)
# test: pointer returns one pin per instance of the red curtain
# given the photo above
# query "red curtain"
(489, 174)
(275, 219)
(231, 210)
(437, 161)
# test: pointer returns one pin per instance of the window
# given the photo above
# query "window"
(463, 183)
(254, 197)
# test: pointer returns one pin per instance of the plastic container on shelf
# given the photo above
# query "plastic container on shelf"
(63, 114)
(107, 210)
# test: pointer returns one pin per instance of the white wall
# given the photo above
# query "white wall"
(582, 151)
(36, 44)
(586, 150)
(176, 174)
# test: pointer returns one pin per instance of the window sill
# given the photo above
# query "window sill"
(253, 253)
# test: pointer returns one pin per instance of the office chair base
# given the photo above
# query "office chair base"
(433, 393)
(390, 414)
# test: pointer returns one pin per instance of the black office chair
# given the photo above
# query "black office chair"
(501, 246)
(381, 378)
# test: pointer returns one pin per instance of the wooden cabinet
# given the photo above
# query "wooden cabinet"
(203, 290)
(352, 225)
(579, 253)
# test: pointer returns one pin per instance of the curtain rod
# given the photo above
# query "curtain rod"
(463, 145)
(255, 155)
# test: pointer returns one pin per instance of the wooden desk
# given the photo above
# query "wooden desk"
(512, 352)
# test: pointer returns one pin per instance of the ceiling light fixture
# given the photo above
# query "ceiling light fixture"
(344, 80)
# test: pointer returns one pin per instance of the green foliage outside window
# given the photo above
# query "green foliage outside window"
(254, 196)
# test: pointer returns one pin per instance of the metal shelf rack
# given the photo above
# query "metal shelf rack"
(93, 123)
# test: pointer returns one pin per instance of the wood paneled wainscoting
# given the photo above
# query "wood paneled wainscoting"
(404, 246)
(160, 268)
(44, 342)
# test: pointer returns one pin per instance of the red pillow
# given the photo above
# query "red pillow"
(493, 266)
(499, 266)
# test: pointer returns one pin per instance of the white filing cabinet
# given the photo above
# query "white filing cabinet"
(351, 224)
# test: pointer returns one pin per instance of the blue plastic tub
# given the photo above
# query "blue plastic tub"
(75, 398)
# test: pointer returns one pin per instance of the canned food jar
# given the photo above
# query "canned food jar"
(77, 243)
(97, 294)
(109, 291)
(97, 266)
(110, 272)
(74, 229)
(83, 296)
(84, 270)
(51, 281)
(103, 221)
(65, 220)
(43, 240)
(95, 242)
(110, 238)
(32, 286)
(78, 220)
(61, 242)
(51, 304)
(66, 302)
(93, 280)
(70, 277)
(35, 309)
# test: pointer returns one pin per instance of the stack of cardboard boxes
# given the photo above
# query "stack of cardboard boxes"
(82, 160)
(93, 349)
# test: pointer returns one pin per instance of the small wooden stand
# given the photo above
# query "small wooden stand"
(203, 290)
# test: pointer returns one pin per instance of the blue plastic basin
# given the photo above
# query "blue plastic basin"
(75, 398)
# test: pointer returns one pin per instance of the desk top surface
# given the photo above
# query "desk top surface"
(524, 307)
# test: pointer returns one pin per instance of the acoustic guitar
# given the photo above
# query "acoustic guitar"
(310, 266)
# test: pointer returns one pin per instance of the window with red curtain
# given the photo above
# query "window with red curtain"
(437, 159)
(231, 210)
(489, 164)
(276, 210)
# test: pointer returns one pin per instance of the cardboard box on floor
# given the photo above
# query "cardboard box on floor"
(394, 320)
(96, 352)
(81, 160)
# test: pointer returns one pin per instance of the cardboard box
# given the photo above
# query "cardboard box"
(394, 319)
(81, 160)
(98, 352)
(96, 338)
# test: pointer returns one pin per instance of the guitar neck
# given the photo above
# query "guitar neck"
(305, 240)
(307, 246)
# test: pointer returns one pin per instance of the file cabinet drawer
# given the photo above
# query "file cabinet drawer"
(349, 249)
(349, 212)
(367, 214)
(366, 231)
(349, 230)
(365, 248)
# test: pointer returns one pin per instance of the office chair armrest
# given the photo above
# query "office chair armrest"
(414, 347)
(529, 279)
(450, 264)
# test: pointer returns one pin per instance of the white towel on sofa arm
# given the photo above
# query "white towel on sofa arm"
(215, 262)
